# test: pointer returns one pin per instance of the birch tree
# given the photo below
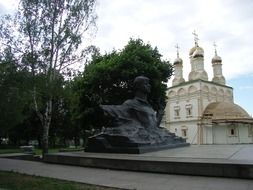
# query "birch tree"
(47, 36)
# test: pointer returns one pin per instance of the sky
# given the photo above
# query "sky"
(165, 23)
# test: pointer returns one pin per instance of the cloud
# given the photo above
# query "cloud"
(164, 23)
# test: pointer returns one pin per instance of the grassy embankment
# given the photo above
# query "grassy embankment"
(16, 181)
(37, 151)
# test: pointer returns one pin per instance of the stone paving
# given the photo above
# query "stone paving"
(141, 180)
(227, 152)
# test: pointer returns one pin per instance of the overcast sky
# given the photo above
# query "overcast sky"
(164, 23)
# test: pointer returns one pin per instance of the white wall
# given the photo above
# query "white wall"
(199, 95)
(221, 135)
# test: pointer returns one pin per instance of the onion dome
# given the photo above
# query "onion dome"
(199, 52)
(216, 58)
(196, 50)
(178, 60)
(192, 50)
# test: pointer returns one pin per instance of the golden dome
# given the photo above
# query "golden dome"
(216, 58)
(192, 50)
(225, 110)
(196, 49)
(178, 61)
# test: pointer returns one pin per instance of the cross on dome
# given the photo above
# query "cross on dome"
(215, 46)
(196, 39)
(177, 47)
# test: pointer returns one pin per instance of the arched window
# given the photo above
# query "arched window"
(188, 108)
(184, 132)
(176, 112)
(232, 131)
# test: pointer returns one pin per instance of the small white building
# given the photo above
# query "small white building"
(204, 111)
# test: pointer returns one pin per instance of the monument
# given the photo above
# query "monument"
(134, 128)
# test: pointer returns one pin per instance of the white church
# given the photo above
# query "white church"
(203, 111)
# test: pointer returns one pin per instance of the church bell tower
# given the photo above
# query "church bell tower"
(178, 69)
(217, 68)
(197, 62)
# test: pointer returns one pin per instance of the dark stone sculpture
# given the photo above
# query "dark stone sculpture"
(134, 126)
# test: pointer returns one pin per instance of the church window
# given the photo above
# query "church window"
(188, 110)
(177, 112)
(232, 131)
(184, 132)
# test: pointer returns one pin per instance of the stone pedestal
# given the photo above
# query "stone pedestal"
(105, 143)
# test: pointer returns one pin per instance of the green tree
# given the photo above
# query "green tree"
(72, 101)
(65, 125)
(14, 92)
(46, 36)
(108, 79)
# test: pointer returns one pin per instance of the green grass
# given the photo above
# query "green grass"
(11, 150)
(16, 181)
(37, 151)
(51, 150)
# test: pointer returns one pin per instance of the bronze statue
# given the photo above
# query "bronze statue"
(134, 127)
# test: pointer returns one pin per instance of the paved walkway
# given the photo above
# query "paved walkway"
(203, 153)
(242, 152)
(124, 179)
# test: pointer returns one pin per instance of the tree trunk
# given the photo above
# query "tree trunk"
(46, 125)
(39, 141)
(45, 139)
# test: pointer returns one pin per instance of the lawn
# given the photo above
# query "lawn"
(16, 181)
(37, 151)
(18, 150)
(11, 150)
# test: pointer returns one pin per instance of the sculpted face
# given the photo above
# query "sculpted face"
(141, 83)
(146, 86)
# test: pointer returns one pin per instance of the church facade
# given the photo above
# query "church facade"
(203, 111)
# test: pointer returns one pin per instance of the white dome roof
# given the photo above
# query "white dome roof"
(216, 59)
(178, 61)
(199, 52)
(197, 49)
(225, 110)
